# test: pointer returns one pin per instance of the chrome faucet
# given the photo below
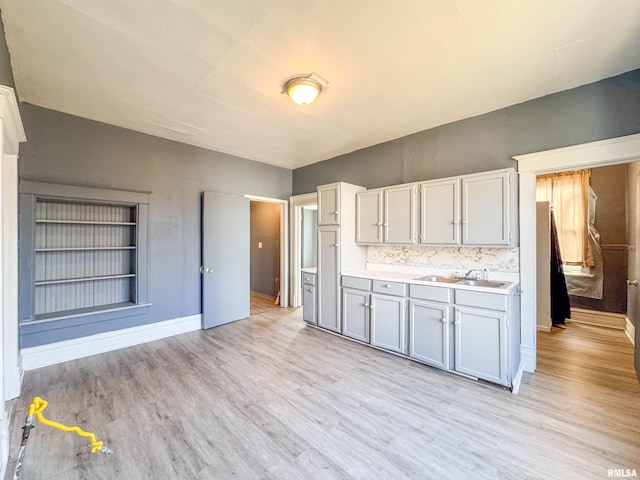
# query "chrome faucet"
(467, 276)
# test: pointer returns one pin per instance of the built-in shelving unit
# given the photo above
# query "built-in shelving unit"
(85, 255)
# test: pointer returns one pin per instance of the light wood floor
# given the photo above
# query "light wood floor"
(268, 398)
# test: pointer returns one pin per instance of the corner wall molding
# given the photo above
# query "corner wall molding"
(59, 352)
(630, 330)
(13, 130)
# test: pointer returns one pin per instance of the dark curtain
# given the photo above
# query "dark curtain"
(560, 306)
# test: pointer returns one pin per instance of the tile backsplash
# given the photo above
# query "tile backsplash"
(462, 258)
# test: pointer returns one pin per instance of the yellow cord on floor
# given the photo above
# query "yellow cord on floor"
(39, 404)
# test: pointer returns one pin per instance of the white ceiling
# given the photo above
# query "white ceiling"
(210, 72)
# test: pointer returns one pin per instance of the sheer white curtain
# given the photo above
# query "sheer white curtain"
(568, 193)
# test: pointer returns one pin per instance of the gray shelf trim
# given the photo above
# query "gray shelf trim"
(85, 222)
(83, 249)
(85, 279)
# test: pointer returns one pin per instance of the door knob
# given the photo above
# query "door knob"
(206, 270)
(633, 283)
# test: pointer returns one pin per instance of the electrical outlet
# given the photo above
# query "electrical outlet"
(259, 244)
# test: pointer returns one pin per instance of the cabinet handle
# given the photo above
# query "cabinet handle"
(387, 286)
(336, 245)
(310, 290)
(365, 304)
(456, 323)
(443, 320)
(372, 306)
(336, 213)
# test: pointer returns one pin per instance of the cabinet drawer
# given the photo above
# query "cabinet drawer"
(390, 288)
(426, 292)
(308, 278)
(493, 301)
(355, 282)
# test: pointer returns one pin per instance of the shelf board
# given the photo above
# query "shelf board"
(85, 279)
(83, 249)
(85, 222)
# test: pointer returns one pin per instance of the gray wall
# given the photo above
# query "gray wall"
(6, 73)
(633, 235)
(265, 261)
(70, 149)
(609, 184)
(606, 109)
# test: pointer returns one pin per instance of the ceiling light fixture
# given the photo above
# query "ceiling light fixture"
(305, 89)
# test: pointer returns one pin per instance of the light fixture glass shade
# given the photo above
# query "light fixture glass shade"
(303, 90)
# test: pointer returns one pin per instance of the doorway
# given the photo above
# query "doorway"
(299, 203)
(265, 251)
(226, 246)
(590, 205)
(601, 153)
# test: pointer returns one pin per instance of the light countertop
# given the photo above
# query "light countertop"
(412, 274)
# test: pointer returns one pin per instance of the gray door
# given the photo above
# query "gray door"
(355, 314)
(225, 258)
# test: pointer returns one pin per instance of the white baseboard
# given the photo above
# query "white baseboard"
(53, 353)
(517, 379)
(528, 359)
(630, 330)
(543, 328)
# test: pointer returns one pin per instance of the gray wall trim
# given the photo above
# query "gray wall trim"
(73, 326)
(47, 188)
(26, 258)
(142, 287)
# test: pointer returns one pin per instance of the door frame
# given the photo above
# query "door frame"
(297, 202)
(587, 155)
(284, 243)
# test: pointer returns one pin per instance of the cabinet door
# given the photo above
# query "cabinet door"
(480, 343)
(328, 288)
(400, 214)
(486, 209)
(309, 304)
(429, 333)
(440, 212)
(369, 216)
(389, 323)
(355, 314)
(329, 204)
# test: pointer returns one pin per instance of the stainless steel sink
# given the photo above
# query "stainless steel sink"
(482, 283)
(437, 278)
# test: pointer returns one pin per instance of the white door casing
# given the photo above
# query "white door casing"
(588, 155)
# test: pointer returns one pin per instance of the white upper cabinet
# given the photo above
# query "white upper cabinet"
(387, 215)
(400, 214)
(369, 216)
(440, 212)
(477, 209)
(329, 204)
(487, 208)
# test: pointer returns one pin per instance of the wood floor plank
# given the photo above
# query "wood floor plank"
(269, 398)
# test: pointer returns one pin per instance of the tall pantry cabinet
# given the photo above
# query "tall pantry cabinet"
(337, 249)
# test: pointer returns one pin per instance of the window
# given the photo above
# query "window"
(568, 193)
(82, 258)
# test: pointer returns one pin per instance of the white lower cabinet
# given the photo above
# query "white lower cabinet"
(355, 314)
(430, 333)
(481, 343)
(389, 322)
(309, 298)
(468, 331)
